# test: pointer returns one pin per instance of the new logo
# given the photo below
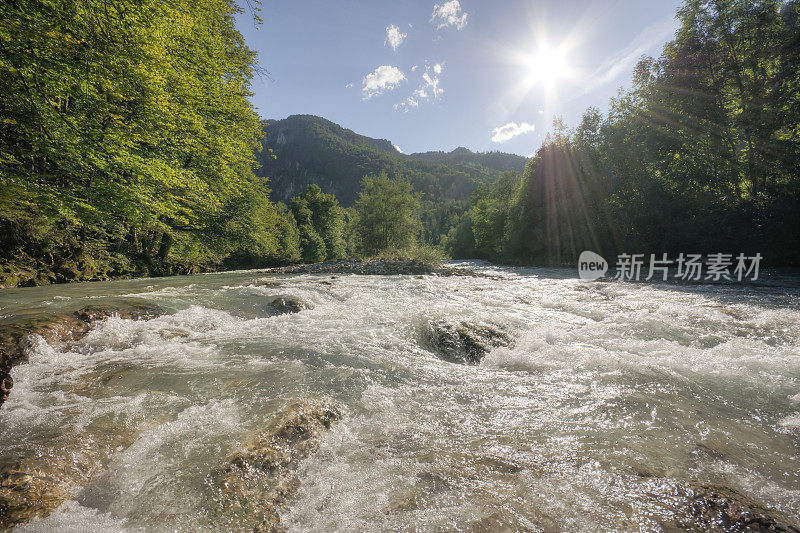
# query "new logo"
(591, 266)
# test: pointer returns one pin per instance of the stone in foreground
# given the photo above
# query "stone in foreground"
(716, 508)
(250, 490)
(288, 304)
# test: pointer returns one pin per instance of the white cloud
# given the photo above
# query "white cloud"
(348, 86)
(510, 130)
(397, 148)
(432, 82)
(408, 103)
(414, 68)
(448, 14)
(428, 88)
(384, 78)
(394, 37)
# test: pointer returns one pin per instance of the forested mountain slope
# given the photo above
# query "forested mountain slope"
(305, 149)
(499, 161)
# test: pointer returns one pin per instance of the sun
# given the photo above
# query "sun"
(547, 66)
(546, 70)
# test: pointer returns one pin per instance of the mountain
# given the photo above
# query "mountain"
(305, 149)
(499, 161)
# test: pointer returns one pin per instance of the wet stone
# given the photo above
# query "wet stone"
(253, 486)
(32, 487)
(288, 304)
(464, 342)
(714, 508)
(58, 329)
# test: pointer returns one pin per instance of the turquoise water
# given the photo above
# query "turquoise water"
(612, 394)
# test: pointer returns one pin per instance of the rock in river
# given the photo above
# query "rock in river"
(57, 329)
(34, 486)
(464, 342)
(287, 304)
(250, 489)
(718, 508)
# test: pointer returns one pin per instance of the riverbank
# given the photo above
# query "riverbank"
(26, 271)
(375, 267)
(17, 276)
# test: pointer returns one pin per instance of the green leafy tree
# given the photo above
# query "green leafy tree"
(322, 224)
(126, 137)
(490, 212)
(388, 215)
(288, 236)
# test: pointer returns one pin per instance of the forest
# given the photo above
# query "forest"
(304, 149)
(702, 155)
(128, 147)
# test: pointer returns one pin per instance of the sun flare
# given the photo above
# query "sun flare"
(548, 65)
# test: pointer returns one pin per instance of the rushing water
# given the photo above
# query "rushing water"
(611, 392)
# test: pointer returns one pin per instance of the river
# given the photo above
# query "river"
(612, 394)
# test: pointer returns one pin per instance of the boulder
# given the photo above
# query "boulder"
(59, 329)
(287, 304)
(464, 342)
(30, 488)
(717, 508)
(34, 486)
(250, 489)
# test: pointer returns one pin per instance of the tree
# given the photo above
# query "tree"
(288, 236)
(490, 213)
(126, 131)
(388, 215)
(321, 222)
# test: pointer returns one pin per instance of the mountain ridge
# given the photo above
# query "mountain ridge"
(310, 149)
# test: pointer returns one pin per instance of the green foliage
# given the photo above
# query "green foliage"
(388, 215)
(420, 252)
(439, 217)
(288, 236)
(351, 231)
(490, 214)
(126, 127)
(460, 239)
(310, 149)
(702, 155)
(498, 161)
(312, 246)
(322, 224)
(429, 254)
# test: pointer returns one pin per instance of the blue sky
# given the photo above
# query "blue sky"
(434, 75)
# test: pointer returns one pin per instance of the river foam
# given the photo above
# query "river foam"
(611, 396)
